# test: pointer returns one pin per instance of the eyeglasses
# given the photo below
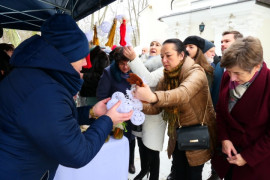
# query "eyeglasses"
(123, 64)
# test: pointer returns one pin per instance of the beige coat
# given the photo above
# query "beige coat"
(191, 98)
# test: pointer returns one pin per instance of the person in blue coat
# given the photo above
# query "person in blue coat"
(228, 38)
(38, 118)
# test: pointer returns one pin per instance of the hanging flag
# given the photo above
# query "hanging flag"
(95, 38)
(123, 33)
(112, 34)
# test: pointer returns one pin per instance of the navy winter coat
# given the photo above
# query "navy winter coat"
(38, 117)
(218, 73)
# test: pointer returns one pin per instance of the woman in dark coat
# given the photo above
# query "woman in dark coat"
(194, 46)
(114, 77)
(243, 113)
(112, 80)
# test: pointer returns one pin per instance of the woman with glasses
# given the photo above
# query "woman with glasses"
(114, 79)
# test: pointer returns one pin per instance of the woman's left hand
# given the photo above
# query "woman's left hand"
(145, 94)
(237, 160)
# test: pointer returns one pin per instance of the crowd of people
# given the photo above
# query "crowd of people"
(185, 83)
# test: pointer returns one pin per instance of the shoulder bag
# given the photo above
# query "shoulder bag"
(193, 137)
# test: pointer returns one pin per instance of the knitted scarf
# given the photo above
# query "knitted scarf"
(117, 74)
(171, 113)
(237, 90)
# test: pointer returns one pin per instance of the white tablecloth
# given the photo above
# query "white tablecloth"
(111, 163)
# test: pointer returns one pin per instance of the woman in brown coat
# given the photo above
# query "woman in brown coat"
(183, 96)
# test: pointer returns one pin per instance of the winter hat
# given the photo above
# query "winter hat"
(207, 45)
(62, 32)
(160, 41)
(196, 40)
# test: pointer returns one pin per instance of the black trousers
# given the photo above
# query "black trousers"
(149, 160)
(183, 170)
(131, 151)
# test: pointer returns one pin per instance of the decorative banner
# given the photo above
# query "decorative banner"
(112, 34)
(123, 33)
(128, 40)
(105, 26)
(95, 38)
(119, 17)
(129, 29)
(89, 35)
(101, 33)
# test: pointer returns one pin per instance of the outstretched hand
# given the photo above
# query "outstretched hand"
(116, 116)
(145, 94)
(100, 107)
(129, 52)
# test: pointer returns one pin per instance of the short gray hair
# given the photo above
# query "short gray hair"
(245, 53)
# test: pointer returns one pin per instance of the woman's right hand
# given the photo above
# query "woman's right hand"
(228, 148)
(129, 52)
(117, 117)
(145, 94)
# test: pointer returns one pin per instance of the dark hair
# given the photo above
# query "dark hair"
(178, 45)
(199, 57)
(118, 55)
(99, 60)
(236, 34)
(245, 53)
(202, 61)
(6, 47)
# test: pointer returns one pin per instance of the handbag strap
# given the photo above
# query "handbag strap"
(204, 111)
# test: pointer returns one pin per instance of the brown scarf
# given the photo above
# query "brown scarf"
(171, 113)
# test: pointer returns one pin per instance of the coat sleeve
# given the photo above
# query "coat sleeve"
(104, 86)
(153, 63)
(150, 109)
(83, 115)
(49, 122)
(194, 80)
(151, 78)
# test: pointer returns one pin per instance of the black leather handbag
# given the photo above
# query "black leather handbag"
(193, 137)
